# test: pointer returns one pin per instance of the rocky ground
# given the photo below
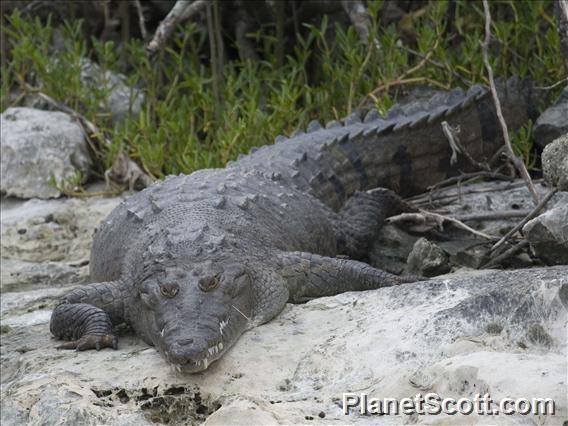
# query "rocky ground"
(500, 332)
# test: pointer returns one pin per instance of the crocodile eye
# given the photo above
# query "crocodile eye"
(209, 283)
(169, 289)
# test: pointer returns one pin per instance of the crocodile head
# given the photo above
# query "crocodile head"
(194, 314)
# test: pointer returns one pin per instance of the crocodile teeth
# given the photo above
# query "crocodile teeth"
(222, 325)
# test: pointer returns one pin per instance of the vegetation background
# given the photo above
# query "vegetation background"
(241, 72)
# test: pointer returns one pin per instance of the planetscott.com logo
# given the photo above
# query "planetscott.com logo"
(433, 404)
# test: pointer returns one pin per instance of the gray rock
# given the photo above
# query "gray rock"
(18, 275)
(395, 241)
(465, 252)
(36, 146)
(548, 235)
(123, 100)
(391, 249)
(553, 122)
(427, 259)
(555, 163)
(455, 335)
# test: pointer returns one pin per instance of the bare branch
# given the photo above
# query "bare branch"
(516, 161)
(534, 212)
(402, 79)
(454, 141)
(141, 21)
(182, 11)
(492, 215)
(468, 176)
(445, 67)
(554, 85)
(506, 254)
(561, 12)
(244, 25)
(123, 170)
(449, 195)
(359, 18)
(439, 219)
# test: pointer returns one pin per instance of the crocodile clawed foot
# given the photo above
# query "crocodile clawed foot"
(91, 341)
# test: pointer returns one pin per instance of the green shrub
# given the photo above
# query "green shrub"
(183, 127)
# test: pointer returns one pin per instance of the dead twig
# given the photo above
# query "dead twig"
(494, 215)
(561, 12)
(121, 167)
(87, 194)
(216, 52)
(553, 86)
(359, 18)
(402, 82)
(424, 216)
(141, 20)
(449, 196)
(470, 176)
(534, 212)
(505, 255)
(182, 11)
(126, 171)
(90, 130)
(451, 135)
(431, 61)
(516, 161)
(402, 79)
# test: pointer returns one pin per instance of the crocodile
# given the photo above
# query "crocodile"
(193, 261)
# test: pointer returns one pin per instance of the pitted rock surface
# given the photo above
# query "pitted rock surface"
(555, 163)
(454, 335)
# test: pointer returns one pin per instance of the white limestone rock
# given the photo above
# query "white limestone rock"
(37, 145)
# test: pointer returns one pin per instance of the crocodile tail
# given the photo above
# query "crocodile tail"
(404, 150)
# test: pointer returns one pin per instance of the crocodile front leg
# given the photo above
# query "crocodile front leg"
(362, 217)
(86, 316)
(309, 276)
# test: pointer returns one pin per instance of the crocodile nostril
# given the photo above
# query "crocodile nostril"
(184, 342)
